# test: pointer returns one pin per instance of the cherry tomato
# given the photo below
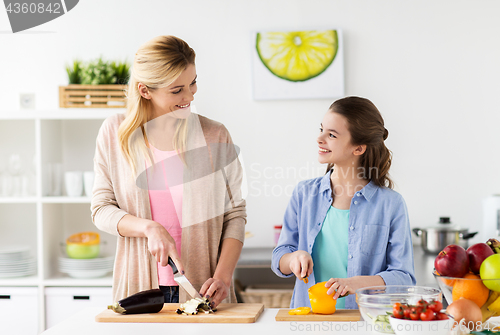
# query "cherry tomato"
(406, 311)
(441, 316)
(422, 303)
(427, 315)
(414, 315)
(436, 306)
(397, 311)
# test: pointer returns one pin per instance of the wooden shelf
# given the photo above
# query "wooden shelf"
(66, 200)
(61, 114)
(67, 281)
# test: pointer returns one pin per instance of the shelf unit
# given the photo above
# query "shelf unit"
(65, 136)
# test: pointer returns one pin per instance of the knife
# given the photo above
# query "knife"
(183, 281)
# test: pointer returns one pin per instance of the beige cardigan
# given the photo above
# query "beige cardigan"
(206, 222)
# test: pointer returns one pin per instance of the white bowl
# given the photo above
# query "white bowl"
(414, 327)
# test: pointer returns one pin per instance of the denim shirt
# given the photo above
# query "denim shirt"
(379, 234)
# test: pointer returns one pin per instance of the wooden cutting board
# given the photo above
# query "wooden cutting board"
(339, 315)
(226, 313)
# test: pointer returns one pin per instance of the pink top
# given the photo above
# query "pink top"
(166, 201)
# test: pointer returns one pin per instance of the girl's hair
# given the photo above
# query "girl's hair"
(157, 64)
(366, 126)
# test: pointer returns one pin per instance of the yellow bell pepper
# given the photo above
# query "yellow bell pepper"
(300, 311)
(321, 302)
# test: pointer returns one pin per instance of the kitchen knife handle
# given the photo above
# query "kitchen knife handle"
(172, 265)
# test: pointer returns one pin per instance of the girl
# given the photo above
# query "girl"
(159, 200)
(347, 228)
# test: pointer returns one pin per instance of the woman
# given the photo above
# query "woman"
(347, 228)
(164, 187)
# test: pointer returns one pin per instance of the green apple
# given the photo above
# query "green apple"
(490, 269)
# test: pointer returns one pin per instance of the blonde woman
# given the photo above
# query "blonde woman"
(167, 183)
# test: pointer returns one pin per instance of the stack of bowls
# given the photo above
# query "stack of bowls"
(83, 245)
(86, 268)
(83, 262)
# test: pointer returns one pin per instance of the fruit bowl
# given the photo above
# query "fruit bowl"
(474, 288)
(376, 302)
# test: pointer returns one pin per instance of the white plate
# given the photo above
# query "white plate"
(18, 273)
(14, 267)
(14, 262)
(87, 273)
(90, 260)
(13, 249)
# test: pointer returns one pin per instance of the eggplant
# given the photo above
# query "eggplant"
(149, 301)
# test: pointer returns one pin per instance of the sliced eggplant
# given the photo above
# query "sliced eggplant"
(150, 301)
(193, 306)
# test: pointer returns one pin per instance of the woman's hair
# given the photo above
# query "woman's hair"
(366, 126)
(157, 64)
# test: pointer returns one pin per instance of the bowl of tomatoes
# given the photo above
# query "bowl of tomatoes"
(376, 303)
(425, 317)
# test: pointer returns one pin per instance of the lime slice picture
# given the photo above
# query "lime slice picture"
(298, 55)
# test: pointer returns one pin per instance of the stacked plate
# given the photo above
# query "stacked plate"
(86, 268)
(15, 261)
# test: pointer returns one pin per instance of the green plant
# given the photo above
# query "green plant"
(98, 72)
(122, 72)
(75, 72)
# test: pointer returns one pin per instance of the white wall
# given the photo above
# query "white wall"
(432, 68)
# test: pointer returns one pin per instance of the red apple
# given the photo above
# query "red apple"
(477, 254)
(452, 261)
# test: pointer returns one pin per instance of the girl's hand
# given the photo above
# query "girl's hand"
(215, 290)
(161, 245)
(339, 286)
(301, 263)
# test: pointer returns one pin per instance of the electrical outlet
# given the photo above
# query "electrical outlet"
(27, 101)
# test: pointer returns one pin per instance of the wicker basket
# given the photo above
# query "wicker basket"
(269, 296)
(92, 96)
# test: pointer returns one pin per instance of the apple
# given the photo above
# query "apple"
(452, 261)
(477, 254)
(490, 269)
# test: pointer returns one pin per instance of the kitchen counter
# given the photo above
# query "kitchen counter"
(252, 258)
(83, 323)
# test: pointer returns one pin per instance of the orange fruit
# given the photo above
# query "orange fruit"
(448, 282)
(473, 290)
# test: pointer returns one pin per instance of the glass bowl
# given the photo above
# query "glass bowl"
(376, 302)
(417, 327)
(471, 289)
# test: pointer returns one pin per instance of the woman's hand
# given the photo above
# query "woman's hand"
(162, 245)
(215, 290)
(300, 263)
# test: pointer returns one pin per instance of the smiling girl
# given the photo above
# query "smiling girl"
(347, 228)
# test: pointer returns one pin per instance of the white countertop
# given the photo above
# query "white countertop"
(84, 323)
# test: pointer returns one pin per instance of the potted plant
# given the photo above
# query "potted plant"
(95, 84)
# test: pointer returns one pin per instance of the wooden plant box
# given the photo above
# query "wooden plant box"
(92, 96)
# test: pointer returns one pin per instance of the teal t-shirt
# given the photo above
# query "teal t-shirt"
(330, 248)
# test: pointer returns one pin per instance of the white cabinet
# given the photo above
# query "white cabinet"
(19, 310)
(33, 217)
(63, 302)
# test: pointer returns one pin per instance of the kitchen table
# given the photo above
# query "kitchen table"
(84, 323)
